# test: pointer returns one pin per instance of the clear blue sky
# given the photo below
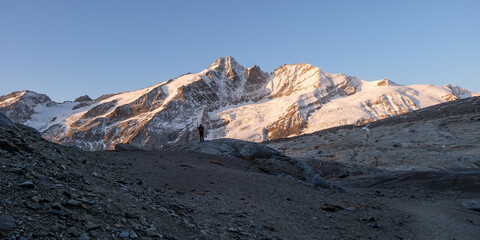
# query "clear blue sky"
(70, 48)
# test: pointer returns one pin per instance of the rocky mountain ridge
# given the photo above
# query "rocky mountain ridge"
(439, 137)
(230, 100)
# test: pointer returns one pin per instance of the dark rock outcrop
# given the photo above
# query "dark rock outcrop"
(84, 98)
(265, 158)
(4, 120)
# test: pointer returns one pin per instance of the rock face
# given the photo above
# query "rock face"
(84, 98)
(230, 100)
(19, 106)
(5, 121)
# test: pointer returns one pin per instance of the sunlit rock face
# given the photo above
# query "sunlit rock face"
(19, 106)
(230, 100)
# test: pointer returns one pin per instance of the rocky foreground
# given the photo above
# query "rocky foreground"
(230, 189)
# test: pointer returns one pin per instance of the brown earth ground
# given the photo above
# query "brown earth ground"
(227, 198)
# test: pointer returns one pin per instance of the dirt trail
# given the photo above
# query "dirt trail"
(441, 219)
(228, 198)
(427, 214)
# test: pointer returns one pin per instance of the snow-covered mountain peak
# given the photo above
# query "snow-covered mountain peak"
(225, 68)
(298, 68)
(225, 63)
(386, 82)
(230, 100)
(25, 95)
(19, 106)
(292, 79)
(365, 86)
(457, 92)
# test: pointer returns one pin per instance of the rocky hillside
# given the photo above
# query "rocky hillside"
(230, 100)
(222, 189)
(48, 191)
(440, 137)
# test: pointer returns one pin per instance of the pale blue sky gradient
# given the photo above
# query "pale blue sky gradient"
(70, 48)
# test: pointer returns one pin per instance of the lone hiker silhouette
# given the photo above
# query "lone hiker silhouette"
(200, 131)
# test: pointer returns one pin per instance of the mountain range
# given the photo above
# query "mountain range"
(230, 100)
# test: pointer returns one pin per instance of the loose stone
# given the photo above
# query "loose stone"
(7, 223)
(124, 234)
(27, 185)
(74, 203)
(472, 205)
(57, 212)
(84, 236)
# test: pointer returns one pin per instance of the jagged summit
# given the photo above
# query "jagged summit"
(386, 82)
(27, 94)
(223, 62)
(230, 100)
(226, 66)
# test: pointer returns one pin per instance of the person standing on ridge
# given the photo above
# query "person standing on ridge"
(200, 131)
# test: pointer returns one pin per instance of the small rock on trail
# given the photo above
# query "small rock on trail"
(7, 223)
(472, 205)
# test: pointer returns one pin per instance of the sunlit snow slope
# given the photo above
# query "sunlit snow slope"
(230, 100)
